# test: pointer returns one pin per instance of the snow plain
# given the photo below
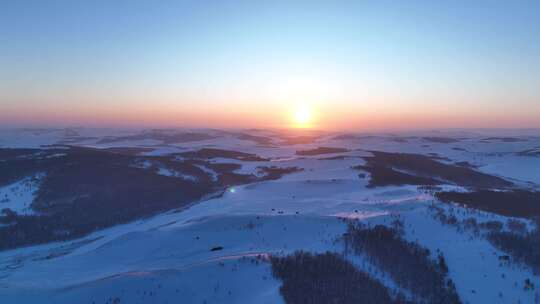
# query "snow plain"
(169, 258)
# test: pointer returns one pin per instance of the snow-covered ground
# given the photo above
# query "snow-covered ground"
(19, 195)
(216, 250)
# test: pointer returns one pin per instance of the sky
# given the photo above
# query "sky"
(351, 64)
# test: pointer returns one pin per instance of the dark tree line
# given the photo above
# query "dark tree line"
(385, 176)
(409, 264)
(524, 247)
(326, 279)
(517, 203)
(89, 189)
(209, 153)
(512, 238)
(165, 137)
(321, 150)
(386, 169)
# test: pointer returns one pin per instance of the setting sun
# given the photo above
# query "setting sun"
(302, 116)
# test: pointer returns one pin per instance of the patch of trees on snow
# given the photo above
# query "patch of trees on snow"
(410, 265)
(321, 150)
(327, 278)
(89, 189)
(388, 168)
(331, 278)
(517, 203)
(513, 237)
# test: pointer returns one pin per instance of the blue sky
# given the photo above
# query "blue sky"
(464, 61)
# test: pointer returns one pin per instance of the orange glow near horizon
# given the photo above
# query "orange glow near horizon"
(317, 115)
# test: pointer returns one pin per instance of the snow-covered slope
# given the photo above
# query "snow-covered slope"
(217, 250)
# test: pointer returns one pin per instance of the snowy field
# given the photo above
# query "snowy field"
(216, 251)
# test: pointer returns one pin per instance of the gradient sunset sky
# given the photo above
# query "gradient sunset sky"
(354, 64)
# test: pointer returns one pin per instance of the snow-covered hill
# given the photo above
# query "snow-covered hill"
(217, 250)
